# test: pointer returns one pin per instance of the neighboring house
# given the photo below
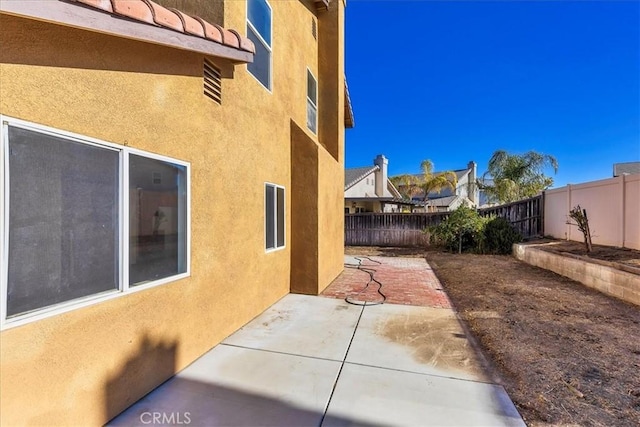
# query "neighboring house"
(484, 200)
(125, 252)
(466, 192)
(627, 168)
(368, 189)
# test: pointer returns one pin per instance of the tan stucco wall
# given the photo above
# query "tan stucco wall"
(87, 365)
(612, 207)
(304, 212)
(209, 10)
(330, 219)
(323, 156)
(331, 132)
(632, 211)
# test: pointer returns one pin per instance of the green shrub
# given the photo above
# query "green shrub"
(463, 230)
(499, 236)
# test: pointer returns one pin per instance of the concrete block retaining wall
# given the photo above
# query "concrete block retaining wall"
(605, 278)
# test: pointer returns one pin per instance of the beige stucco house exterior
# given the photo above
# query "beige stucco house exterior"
(126, 252)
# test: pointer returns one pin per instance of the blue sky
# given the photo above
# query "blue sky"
(453, 81)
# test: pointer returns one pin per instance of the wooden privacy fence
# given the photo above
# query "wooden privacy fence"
(389, 229)
(404, 229)
(527, 216)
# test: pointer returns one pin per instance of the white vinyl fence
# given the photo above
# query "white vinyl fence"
(612, 205)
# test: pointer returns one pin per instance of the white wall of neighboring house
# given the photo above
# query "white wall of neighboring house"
(375, 185)
(364, 188)
(382, 176)
(613, 210)
(361, 206)
(463, 183)
(371, 206)
(467, 185)
(459, 201)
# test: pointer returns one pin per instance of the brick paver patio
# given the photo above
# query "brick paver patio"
(408, 281)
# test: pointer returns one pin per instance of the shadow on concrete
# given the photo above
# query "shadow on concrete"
(184, 401)
(168, 400)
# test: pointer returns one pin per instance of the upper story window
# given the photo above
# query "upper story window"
(84, 221)
(259, 32)
(312, 102)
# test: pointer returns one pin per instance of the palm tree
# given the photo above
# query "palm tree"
(436, 182)
(517, 177)
(406, 184)
(410, 185)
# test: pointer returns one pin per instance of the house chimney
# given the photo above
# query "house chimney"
(473, 192)
(381, 175)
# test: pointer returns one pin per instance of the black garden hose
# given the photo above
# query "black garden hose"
(352, 299)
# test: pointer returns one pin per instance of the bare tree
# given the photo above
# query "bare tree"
(579, 215)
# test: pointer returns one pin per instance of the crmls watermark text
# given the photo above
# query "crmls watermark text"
(175, 418)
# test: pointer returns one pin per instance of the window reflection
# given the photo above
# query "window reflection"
(157, 219)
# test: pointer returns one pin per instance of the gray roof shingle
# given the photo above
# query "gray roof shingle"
(628, 168)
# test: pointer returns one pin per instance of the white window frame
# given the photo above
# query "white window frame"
(123, 212)
(268, 46)
(275, 217)
(311, 103)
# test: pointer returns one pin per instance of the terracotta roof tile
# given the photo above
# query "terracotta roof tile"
(99, 4)
(246, 44)
(134, 9)
(211, 32)
(164, 17)
(230, 39)
(152, 13)
(191, 25)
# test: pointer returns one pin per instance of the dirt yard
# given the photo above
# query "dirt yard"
(567, 355)
(623, 256)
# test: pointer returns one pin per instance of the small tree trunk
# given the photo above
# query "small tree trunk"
(587, 234)
(460, 244)
(579, 215)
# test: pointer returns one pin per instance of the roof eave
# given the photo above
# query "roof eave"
(349, 121)
(69, 14)
(370, 199)
(395, 190)
(322, 4)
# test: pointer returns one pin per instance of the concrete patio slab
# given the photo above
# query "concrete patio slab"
(417, 339)
(320, 361)
(371, 396)
(232, 386)
(301, 325)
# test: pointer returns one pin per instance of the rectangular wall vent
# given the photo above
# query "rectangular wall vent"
(314, 28)
(212, 82)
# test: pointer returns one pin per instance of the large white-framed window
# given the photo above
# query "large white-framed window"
(274, 215)
(259, 31)
(84, 220)
(312, 102)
